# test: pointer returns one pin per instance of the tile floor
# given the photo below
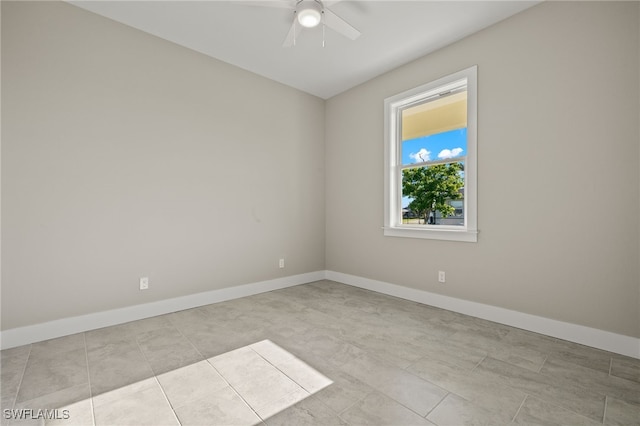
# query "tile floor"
(322, 353)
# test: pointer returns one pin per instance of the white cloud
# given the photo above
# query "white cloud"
(449, 153)
(420, 156)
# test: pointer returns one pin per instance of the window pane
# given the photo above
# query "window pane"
(440, 146)
(435, 115)
(433, 195)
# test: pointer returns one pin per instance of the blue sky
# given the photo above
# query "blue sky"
(435, 147)
(432, 148)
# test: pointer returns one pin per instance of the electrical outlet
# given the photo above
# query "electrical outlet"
(281, 263)
(441, 277)
(144, 283)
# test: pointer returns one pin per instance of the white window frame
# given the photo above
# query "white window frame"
(393, 106)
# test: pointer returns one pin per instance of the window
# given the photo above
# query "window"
(430, 160)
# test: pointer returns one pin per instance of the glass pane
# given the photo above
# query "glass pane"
(441, 146)
(435, 115)
(433, 195)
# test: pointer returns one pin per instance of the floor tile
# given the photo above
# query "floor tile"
(279, 304)
(492, 341)
(222, 312)
(480, 390)
(216, 339)
(626, 368)
(223, 407)
(307, 412)
(537, 412)
(192, 382)
(6, 403)
(275, 406)
(79, 413)
(242, 364)
(465, 356)
(166, 349)
(11, 370)
(287, 325)
(260, 383)
(595, 359)
(264, 391)
(127, 331)
(70, 406)
(378, 409)
(595, 380)
(140, 403)
(620, 413)
(547, 388)
(48, 373)
(413, 392)
(18, 351)
(345, 391)
(58, 399)
(457, 411)
(401, 355)
(297, 370)
(192, 318)
(321, 349)
(115, 365)
(104, 337)
(52, 347)
(438, 322)
(584, 356)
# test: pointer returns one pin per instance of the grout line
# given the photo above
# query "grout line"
(610, 365)
(479, 362)
(606, 403)
(543, 363)
(173, 411)
(402, 403)
(285, 374)
(187, 339)
(86, 355)
(358, 400)
(191, 343)
(438, 404)
(24, 369)
(155, 377)
(234, 390)
(414, 363)
(520, 408)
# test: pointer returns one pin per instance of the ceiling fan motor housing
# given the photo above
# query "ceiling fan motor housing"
(309, 13)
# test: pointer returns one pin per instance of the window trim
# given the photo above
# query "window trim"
(393, 105)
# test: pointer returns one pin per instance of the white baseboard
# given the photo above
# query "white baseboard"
(612, 342)
(617, 343)
(64, 327)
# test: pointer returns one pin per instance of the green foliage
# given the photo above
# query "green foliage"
(431, 187)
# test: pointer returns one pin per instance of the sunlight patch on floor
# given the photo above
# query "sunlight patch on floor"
(243, 386)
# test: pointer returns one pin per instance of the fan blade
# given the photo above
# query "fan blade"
(339, 25)
(280, 4)
(291, 35)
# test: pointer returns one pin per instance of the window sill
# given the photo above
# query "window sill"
(447, 234)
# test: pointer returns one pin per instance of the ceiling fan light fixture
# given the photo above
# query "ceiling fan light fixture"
(309, 13)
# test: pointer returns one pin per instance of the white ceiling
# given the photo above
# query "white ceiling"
(250, 37)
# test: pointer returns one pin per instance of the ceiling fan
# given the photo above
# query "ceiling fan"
(310, 14)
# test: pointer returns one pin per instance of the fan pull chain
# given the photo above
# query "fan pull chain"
(323, 28)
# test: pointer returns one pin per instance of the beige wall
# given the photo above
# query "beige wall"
(124, 155)
(558, 170)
